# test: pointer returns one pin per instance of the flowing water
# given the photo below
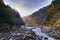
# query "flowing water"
(38, 32)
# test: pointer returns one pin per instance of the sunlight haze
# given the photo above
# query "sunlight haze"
(27, 7)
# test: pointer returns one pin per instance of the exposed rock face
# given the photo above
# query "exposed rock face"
(48, 16)
(9, 16)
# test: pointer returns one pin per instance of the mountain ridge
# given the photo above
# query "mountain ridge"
(47, 16)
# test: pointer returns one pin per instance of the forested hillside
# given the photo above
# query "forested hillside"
(9, 17)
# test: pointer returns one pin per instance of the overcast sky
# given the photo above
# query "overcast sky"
(27, 7)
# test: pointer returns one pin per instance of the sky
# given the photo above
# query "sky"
(27, 7)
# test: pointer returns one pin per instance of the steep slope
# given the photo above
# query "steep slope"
(47, 16)
(37, 18)
(9, 17)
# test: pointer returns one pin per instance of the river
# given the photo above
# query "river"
(38, 32)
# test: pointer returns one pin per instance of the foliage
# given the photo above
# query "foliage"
(9, 15)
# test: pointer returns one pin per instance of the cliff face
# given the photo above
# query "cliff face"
(54, 11)
(9, 16)
(48, 16)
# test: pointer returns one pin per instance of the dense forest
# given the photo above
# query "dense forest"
(9, 17)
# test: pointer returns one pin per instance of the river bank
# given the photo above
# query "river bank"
(25, 33)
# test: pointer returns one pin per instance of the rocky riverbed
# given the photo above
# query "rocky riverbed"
(25, 33)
